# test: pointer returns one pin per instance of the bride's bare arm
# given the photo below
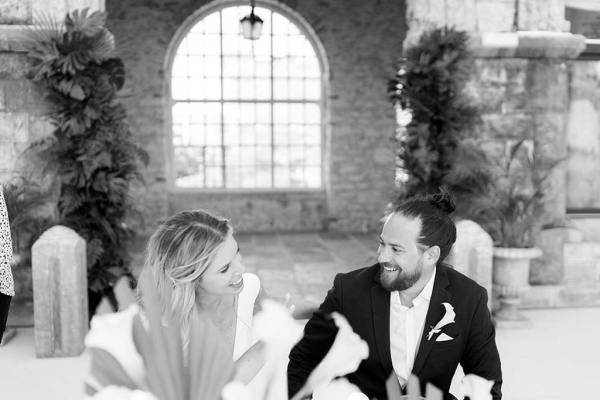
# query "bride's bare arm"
(248, 365)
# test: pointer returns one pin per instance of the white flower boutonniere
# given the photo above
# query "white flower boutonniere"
(448, 318)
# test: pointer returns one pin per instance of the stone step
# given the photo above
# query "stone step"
(588, 225)
(554, 296)
(581, 263)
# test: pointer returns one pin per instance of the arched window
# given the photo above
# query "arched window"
(246, 114)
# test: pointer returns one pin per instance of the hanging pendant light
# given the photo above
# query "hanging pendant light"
(251, 25)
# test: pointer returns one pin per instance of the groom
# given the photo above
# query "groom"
(417, 314)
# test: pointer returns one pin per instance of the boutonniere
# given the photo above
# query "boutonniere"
(448, 318)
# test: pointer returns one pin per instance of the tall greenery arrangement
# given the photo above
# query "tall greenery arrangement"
(91, 150)
(437, 147)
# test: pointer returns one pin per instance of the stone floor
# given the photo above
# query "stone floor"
(555, 358)
(304, 264)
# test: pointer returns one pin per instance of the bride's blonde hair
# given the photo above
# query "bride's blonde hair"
(177, 255)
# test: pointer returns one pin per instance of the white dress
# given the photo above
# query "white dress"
(245, 312)
(113, 334)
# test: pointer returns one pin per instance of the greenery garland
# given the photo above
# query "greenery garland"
(91, 150)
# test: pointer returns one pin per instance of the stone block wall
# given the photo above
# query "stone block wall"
(485, 16)
(362, 41)
(22, 102)
(583, 136)
(21, 109)
(517, 101)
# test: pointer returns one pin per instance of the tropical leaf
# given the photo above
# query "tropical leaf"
(87, 25)
(210, 365)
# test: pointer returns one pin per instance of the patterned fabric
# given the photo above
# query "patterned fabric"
(6, 254)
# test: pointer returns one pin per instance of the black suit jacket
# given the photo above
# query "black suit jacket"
(361, 299)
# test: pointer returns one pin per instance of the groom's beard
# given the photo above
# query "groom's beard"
(399, 279)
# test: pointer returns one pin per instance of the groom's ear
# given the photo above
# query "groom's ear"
(433, 254)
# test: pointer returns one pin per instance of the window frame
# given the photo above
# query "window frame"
(323, 102)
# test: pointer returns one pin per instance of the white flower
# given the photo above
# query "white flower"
(345, 355)
(339, 389)
(122, 393)
(476, 387)
(237, 391)
(275, 326)
(448, 318)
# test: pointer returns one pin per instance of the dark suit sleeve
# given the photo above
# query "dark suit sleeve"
(319, 334)
(481, 354)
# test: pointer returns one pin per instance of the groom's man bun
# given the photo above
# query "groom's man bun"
(442, 200)
(433, 209)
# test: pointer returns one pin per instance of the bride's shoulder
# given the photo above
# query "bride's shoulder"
(251, 284)
(251, 279)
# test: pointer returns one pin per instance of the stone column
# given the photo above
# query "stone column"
(472, 254)
(59, 293)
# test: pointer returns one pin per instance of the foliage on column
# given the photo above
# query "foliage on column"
(437, 147)
(91, 152)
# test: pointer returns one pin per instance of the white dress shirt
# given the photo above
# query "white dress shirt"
(406, 329)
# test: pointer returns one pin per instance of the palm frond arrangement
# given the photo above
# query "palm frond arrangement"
(198, 371)
(91, 151)
(515, 200)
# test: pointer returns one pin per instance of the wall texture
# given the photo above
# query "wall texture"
(362, 41)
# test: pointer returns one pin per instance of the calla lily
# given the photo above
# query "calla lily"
(274, 326)
(122, 393)
(237, 391)
(476, 387)
(344, 356)
(339, 389)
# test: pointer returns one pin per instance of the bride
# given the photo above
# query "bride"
(197, 269)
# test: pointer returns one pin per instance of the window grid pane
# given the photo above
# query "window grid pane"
(246, 114)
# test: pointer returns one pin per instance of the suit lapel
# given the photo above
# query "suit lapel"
(380, 303)
(434, 314)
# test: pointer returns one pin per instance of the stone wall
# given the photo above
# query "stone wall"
(362, 41)
(517, 102)
(22, 102)
(485, 16)
(583, 135)
(21, 110)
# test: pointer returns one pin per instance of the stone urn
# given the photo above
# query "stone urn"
(511, 279)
